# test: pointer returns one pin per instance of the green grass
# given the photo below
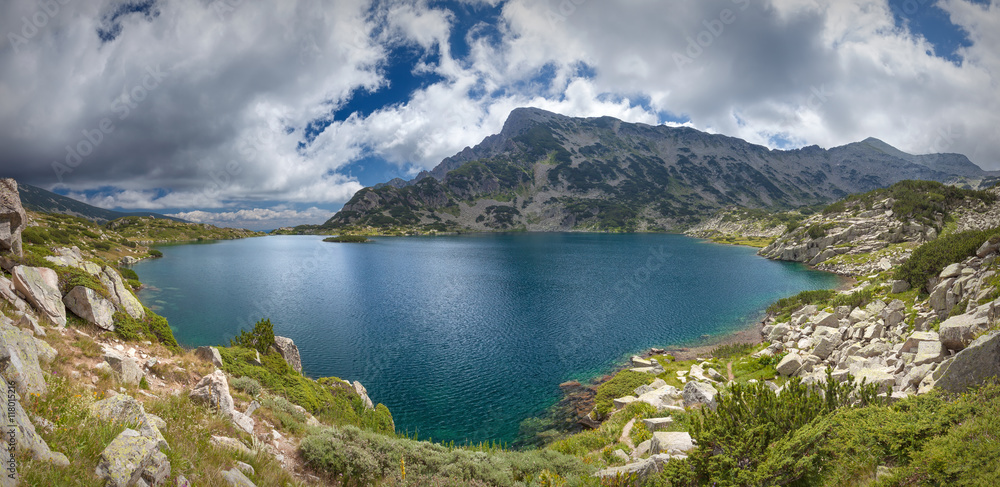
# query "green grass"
(622, 384)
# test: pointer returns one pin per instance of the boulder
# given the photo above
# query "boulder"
(972, 366)
(913, 341)
(957, 332)
(826, 346)
(120, 294)
(157, 471)
(242, 421)
(70, 257)
(988, 247)
(13, 219)
(286, 347)
(778, 331)
(621, 402)
(213, 390)
(882, 377)
(235, 478)
(641, 469)
(91, 306)
(661, 398)
(789, 364)
(928, 352)
(124, 460)
(210, 354)
(671, 442)
(126, 367)
(29, 323)
(857, 314)
(696, 392)
(900, 286)
(825, 319)
(122, 408)
(952, 270)
(19, 360)
(40, 285)
(655, 424)
(9, 294)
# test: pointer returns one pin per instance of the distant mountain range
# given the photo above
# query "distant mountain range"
(549, 172)
(37, 199)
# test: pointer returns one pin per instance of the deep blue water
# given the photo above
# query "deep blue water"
(463, 337)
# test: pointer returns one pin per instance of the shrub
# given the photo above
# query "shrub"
(155, 253)
(785, 306)
(260, 339)
(153, 327)
(357, 457)
(248, 385)
(930, 259)
(622, 384)
(128, 274)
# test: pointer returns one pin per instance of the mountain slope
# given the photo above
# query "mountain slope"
(42, 201)
(547, 172)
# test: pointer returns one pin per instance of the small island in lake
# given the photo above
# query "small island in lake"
(349, 239)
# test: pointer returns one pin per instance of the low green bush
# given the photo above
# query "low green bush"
(622, 384)
(151, 327)
(356, 457)
(931, 258)
(784, 307)
(248, 385)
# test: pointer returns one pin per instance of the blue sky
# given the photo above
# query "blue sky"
(270, 114)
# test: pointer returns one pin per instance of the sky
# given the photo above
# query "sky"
(273, 113)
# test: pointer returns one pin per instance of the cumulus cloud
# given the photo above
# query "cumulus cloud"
(183, 104)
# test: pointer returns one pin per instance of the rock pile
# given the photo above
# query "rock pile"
(12, 217)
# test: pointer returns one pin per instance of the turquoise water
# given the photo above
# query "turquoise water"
(463, 337)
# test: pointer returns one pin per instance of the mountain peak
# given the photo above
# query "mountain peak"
(524, 117)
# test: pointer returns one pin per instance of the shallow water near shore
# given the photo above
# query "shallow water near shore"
(462, 337)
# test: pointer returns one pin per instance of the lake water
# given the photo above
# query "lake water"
(463, 337)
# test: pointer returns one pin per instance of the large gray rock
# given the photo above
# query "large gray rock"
(928, 353)
(126, 367)
(974, 365)
(122, 408)
(210, 354)
(882, 377)
(235, 478)
(913, 341)
(900, 287)
(12, 217)
(71, 257)
(696, 392)
(826, 346)
(213, 390)
(672, 442)
(641, 469)
(120, 294)
(363, 393)
(91, 306)
(286, 347)
(40, 285)
(952, 270)
(957, 332)
(988, 247)
(789, 364)
(19, 360)
(123, 462)
(9, 294)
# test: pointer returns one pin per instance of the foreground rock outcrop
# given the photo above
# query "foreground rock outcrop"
(40, 286)
(12, 217)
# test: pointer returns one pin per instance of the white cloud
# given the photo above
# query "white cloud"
(223, 127)
(256, 218)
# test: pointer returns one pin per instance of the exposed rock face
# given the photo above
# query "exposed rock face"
(286, 347)
(972, 366)
(8, 293)
(120, 294)
(19, 359)
(210, 354)
(91, 306)
(12, 217)
(957, 332)
(40, 285)
(360, 389)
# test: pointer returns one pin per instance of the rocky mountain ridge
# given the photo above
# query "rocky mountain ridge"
(547, 172)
